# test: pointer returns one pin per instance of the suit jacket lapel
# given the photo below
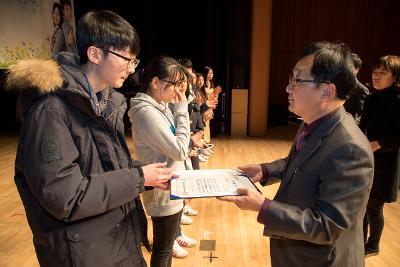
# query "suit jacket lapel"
(312, 145)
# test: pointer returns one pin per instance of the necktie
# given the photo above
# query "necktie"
(301, 139)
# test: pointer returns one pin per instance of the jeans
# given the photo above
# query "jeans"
(374, 218)
(164, 232)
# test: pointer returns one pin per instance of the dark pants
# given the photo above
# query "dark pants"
(374, 218)
(164, 232)
(195, 163)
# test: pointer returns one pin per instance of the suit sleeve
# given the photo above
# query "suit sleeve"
(54, 176)
(275, 171)
(345, 182)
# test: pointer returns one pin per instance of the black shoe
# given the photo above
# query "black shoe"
(370, 251)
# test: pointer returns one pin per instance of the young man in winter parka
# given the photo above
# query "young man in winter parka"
(73, 170)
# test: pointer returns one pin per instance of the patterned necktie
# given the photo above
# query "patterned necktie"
(301, 138)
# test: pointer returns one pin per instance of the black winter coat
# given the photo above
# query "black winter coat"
(381, 122)
(73, 170)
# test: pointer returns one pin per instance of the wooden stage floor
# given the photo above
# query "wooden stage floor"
(239, 239)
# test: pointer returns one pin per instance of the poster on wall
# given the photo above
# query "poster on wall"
(35, 28)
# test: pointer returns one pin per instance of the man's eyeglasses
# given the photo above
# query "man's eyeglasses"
(293, 80)
(175, 84)
(132, 62)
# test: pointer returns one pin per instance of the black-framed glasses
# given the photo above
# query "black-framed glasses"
(132, 62)
(175, 84)
(293, 80)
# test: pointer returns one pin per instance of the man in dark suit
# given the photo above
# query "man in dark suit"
(316, 217)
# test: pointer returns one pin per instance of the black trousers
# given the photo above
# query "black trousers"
(164, 233)
(195, 163)
(374, 219)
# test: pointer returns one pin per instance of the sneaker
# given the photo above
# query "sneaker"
(208, 150)
(203, 158)
(187, 210)
(210, 146)
(178, 251)
(205, 152)
(185, 241)
(370, 251)
(186, 220)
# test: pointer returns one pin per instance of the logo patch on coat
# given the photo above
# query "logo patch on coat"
(51, 149)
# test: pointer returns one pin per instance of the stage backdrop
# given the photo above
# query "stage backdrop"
(27, 29)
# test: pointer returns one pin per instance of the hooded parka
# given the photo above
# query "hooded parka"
(78, 183)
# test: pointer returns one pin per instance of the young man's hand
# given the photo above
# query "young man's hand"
(157, 175)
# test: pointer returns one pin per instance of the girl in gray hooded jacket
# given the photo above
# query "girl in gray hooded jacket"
(160, 135)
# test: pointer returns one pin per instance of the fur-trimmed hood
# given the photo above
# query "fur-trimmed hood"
(35, 78)
(42, 75)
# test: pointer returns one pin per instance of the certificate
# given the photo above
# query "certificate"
(209, 183)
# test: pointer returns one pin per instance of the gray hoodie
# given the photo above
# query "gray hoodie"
(160, 136)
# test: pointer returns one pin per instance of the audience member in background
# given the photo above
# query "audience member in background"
(160, 135)
(73, 169)
(355, 103)
(316, 217)
(381, 123)
(57, 39)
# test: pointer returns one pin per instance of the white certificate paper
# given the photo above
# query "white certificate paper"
(209, 183)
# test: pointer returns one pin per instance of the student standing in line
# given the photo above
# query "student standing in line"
(73, 170)
(160, 135)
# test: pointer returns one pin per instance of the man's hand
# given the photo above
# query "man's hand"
(253, 171)
(249, 199)
(157, 175)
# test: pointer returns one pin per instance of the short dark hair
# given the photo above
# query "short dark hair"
(333, 64)
(187, 63)
(162, 67)
(390, 63)
(105, 29)
(357, 60)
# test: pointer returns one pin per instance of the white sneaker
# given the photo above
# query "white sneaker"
(203, 158)
(205, 152)
(185, 241)
(178, 251)
(186, 220)
(209, 150)
(187, 210)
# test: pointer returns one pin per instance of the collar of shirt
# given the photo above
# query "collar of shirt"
(309, 128)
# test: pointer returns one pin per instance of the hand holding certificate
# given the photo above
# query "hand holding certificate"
(209, 183)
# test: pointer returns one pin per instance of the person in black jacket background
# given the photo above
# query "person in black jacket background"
(381, 123)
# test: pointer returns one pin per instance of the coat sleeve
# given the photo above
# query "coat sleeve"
(54, 176)
(276, 170)
(152, 126)
(343, 190)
